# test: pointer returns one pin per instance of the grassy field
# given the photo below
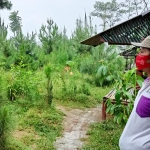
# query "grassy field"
(103, 136)
(34, 128)
(35, 124)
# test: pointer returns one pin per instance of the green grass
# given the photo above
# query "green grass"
(103, 136)
(35, 128)
(85, 95)
(36, 124)
(84, 101)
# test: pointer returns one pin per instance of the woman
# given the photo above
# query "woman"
(136, 134)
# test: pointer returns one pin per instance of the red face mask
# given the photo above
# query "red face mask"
(141, 62)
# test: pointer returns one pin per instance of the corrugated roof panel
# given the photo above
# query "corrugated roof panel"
(132, 30)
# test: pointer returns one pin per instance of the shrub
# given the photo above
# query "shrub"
(5, 126)
(126, 82)
(23, 83)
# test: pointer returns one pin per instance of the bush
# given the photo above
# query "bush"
(123, 85)
(5, 126)
(23, 83)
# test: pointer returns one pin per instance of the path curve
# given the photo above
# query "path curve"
(76, 124)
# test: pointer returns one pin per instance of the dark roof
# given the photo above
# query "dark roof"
(132, 30)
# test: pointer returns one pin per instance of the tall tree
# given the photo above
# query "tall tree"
(5, 4)
(134, 7)
(113, 12)
(65, 33)
(15, 24)
(131, 7)
(146, 4)
(109, 12)
(49, 36)
(83, 30)
(137, 5)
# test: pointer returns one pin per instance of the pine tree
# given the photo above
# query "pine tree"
(5, 4)
(16, 23)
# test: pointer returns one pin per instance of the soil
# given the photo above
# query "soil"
(76, 123)
(19, 134)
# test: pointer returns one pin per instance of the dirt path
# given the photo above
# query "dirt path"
(76, 124)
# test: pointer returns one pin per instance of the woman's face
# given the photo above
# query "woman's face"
(145, 52)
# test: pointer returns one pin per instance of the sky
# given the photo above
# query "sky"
(34, 13)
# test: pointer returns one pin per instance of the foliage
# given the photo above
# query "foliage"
(70, 63)
(85, 89)
(108, 72)
(83, 31)
(109, 12)
(87, 65)
(22, 83)
(69, 89)
(25, 61)
(104, 64)
(76, 91)
(124, 98)
(19, 48)
(113, 12)
(5, 4)
(3, 30)
(48, 72)
(133, 7)
(5, 127)
(15, 24)
(22, 49)
(5, 44)
(49, 36)
(63, 54)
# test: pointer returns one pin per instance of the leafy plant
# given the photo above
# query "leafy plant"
(124, 96)
(108, 70)
(22, 83)
(48, 72)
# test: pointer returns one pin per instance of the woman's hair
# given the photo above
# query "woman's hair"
(147, 48)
